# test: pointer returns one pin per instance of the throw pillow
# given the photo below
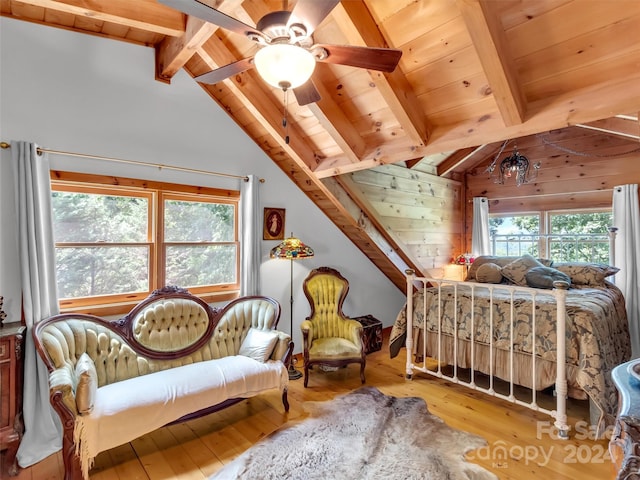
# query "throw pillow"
(489, 273)
(592, 274)
(515, 271)
(543, 277)
(501, 261)
(87, 384)
(259, 344)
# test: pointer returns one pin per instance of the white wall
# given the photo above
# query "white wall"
(79, 93)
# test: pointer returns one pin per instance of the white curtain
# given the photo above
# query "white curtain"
(43, 431)
(250, 222)
(480, 241)
(626, 217)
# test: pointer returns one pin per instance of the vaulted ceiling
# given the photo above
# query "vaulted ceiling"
(473, 73)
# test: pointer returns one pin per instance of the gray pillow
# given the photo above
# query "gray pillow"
(543, 277)
(516, 270)
(489, 273)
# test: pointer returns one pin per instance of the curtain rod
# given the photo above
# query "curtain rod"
(41, 150)
(546, 195)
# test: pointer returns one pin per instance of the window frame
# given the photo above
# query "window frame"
(156, 192)
(544, 221)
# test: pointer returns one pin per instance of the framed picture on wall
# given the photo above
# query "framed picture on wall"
(273, 228)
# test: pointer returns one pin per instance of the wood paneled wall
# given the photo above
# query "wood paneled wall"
(424, 212)
(578, 169)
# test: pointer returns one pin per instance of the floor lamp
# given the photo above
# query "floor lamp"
(292, 249)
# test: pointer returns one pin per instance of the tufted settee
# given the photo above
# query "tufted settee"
(172, 358)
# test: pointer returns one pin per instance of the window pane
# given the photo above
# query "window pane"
(88, 271)
(515, 235)
(193, 266)
(89, 217)
(582, 237)
(594, 222)
(198, 221)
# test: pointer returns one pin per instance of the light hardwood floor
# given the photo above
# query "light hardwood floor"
(519, 446)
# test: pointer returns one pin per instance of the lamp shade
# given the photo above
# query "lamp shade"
(291, 248)
(283, 65)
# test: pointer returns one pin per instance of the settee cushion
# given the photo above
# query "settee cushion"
(259, 344)
(87, 385)
(119, 415)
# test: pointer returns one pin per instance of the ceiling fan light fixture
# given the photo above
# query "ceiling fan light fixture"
(284, 66)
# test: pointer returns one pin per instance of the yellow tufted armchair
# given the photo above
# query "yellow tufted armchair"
(329, 337)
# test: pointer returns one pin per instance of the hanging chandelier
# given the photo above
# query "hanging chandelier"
(515, 165)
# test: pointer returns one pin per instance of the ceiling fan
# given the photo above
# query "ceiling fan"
(287, 55)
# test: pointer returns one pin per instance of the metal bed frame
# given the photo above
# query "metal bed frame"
(559, 292)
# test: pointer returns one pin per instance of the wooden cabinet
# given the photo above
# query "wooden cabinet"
(624, 445)
(11, 371)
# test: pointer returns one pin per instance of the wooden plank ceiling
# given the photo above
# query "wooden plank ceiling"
(473, 73)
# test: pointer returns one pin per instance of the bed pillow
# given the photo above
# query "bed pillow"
(259, 344)
(543, 277)
(87, 385)
(591, 274)
(501, 261)
(515, 271)
(489, 273)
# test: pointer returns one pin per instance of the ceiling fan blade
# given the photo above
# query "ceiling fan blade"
(383, 59)
(311, 13)
(222, 73)
(209, 14)
(306, 93)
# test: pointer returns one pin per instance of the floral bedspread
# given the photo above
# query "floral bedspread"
(597, 334)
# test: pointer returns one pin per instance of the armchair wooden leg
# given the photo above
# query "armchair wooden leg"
(306, 375)
(362, 365)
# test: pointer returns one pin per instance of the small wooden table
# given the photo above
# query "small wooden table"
(624, 445)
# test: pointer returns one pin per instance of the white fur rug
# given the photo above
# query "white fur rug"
(362, 435)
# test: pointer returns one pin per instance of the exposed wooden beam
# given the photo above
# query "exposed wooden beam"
(173, 53)
(619, 127)
(336, 123)
(147, 15)
(579, 106)
(484, 25)
(456, 159)
(359, 27)
(584, 106)
(392, 151)
(413, 162)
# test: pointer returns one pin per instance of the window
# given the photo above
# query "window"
(114, 245)
(562, 235)
(580, 236)
(514, 235)
(200, 246)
